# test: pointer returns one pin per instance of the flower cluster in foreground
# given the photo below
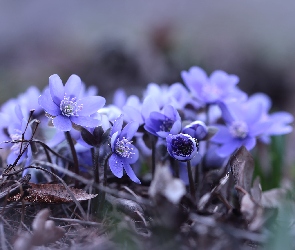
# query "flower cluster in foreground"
(205, 116)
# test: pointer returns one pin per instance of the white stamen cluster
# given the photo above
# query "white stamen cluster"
(69, 106)
(123, 148)
(239, 129)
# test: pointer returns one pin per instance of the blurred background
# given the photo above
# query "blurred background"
(132, 43)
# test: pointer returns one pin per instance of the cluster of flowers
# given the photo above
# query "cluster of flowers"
(203, 120)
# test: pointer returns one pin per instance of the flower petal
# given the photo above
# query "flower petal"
(116, 165)
(132, 114)
(45, 101)
(73, 86)
(131, 173)
(129, 130)
(222, 136)
(134, 156)
(228, 148)
(249, 142)
(62, 123)
(91, 104)
(85, 121)
(56, 89)
(117, 126)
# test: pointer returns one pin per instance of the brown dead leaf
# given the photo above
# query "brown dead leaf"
(52, 193)
(242, 166)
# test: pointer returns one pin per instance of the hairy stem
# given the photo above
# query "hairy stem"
(74, 154)
(191, 180)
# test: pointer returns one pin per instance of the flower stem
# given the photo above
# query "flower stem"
(191, 180)
(95, 161)
(74, 154)
(153, 142)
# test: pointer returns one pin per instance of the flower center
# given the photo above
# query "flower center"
(69, 106)
(183, 145)
(211, 91)
(123, 148)
(239, 129)
(166, 125)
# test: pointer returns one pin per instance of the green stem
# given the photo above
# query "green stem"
(74, 154)
(191, 180)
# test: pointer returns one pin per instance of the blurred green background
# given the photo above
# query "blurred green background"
(132, 43)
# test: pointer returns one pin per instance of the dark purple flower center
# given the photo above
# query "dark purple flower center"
(183, 145)
(123, 148)
(239, 129)
(166, 125)
(69, 106)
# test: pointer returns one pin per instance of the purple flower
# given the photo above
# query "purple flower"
(16, 129)
(163, 123)
(279, 121)
(243, 126)
(63, 105)
(123, 152)
(182, 147)
(196, 129)
(209, 90)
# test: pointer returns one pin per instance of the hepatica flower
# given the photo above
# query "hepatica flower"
(123, 152)
(181, 147)
(63, 105)
(196, 129)
(243, 126)
(163, 123)
(16, 129)
(220, 86)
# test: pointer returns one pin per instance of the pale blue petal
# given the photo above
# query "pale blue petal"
(116, 164)
(117, 126)
(73, 86)
(62, 123)
(129, 130)
(222, 135)
(132, 114)
(149, 105)
(131, 173)
(228, 148)
(56, 89)
(134, 156)
(91, 104)
(85, 121)
(249, 143)
(46, 102)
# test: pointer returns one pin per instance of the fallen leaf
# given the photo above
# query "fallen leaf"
(52, 193)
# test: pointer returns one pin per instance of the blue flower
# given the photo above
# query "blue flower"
(182, 147)
(209, 90)
(279, 121)
(196, 129)
(18, 129)
(163, 123)
(62, 104)
(243, 126)
(123, 152)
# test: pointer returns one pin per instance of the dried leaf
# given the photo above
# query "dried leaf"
(242, 166)
(164, 183)
(44, 232)
(52, 193)
(256, 190)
